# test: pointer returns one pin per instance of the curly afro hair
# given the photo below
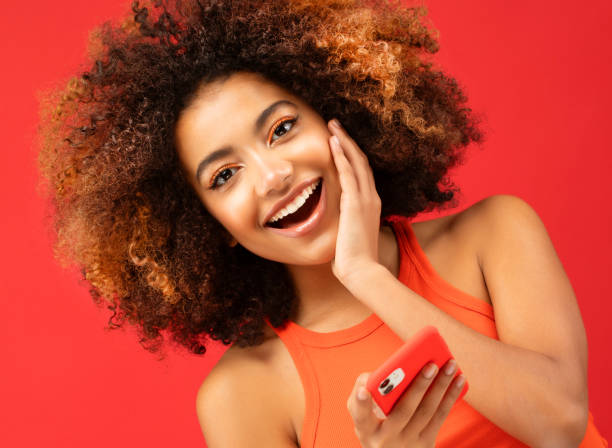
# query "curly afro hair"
(125, 214)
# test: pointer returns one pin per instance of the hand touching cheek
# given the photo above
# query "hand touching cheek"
(360, 206)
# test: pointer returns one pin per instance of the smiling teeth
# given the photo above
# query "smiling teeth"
(296, 203)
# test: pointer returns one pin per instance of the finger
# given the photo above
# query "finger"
(345, 170)
(355, 154)
(408, 403)
(432, 398)
(433, 427)
(365, 187)
(356, 157)
(364, 420)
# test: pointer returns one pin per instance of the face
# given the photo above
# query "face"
(259, 159)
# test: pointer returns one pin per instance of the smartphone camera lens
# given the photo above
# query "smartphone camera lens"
(384, 383)
(389, 389)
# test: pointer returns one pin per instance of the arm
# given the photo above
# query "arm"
(532, 382)
(232, 411)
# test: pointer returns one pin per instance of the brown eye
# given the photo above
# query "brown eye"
(223, 175)
(281, 128)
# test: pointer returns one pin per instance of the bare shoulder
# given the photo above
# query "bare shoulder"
(461, 226)
(455, 244)
(500, 206)
(535, 305)
(237, 407)
(462, 233)
(474, 225)
(493, 225)
(494, 221)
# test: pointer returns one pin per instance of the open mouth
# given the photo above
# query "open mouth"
(302, 214)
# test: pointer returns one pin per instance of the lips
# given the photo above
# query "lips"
(298, 211)
(288, 199)
(315, 214)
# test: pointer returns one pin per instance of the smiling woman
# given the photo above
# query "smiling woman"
(273, 155)
(247, 171)
(135, 223)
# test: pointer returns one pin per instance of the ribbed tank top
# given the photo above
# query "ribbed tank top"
(329, 363)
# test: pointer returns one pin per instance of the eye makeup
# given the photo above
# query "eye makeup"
(278, 124)
(213, 184)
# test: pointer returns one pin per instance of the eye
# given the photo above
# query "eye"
(222, 175)
(280, 128)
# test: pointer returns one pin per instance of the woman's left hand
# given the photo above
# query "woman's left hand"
(360, 206)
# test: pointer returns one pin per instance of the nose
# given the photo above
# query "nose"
(273, 173)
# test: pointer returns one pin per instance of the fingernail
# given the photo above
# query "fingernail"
(460, 381)
(336, 141)
(429, 371)
(336, 123)
(362, 394)
(450, 367)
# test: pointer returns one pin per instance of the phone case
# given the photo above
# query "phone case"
(390, 380)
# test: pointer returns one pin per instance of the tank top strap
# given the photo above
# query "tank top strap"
(327, 364)
(308, 377)
(417, 263)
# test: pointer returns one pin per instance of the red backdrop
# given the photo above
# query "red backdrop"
(539, 74)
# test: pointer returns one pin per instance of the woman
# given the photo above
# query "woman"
(200, 183)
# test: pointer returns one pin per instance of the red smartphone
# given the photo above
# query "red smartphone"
(390, 380)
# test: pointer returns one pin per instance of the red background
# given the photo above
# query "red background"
(538, 72)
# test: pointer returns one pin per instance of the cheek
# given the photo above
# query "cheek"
(315, 149)
(236, 213)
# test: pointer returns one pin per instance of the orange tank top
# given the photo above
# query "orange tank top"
(329, 363)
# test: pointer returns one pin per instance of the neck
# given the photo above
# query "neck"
(324, 303)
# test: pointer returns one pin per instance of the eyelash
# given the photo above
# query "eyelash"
(213, 185)
(278, 125)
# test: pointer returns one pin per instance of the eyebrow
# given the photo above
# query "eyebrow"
(227, 150)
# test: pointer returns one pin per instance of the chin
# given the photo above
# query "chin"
(314, 256)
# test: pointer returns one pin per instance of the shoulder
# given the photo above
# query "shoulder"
(482, 220)
(473, 226)
(470, 246)
(235, 405)
(500, 220)
(495, 209)
(527, 281)
(501, 206)
(482, 227)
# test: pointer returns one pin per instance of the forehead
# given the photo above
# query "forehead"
(219, 105)
(240, 94)
(223, 111)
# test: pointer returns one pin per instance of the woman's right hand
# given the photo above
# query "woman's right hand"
(417, 416)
